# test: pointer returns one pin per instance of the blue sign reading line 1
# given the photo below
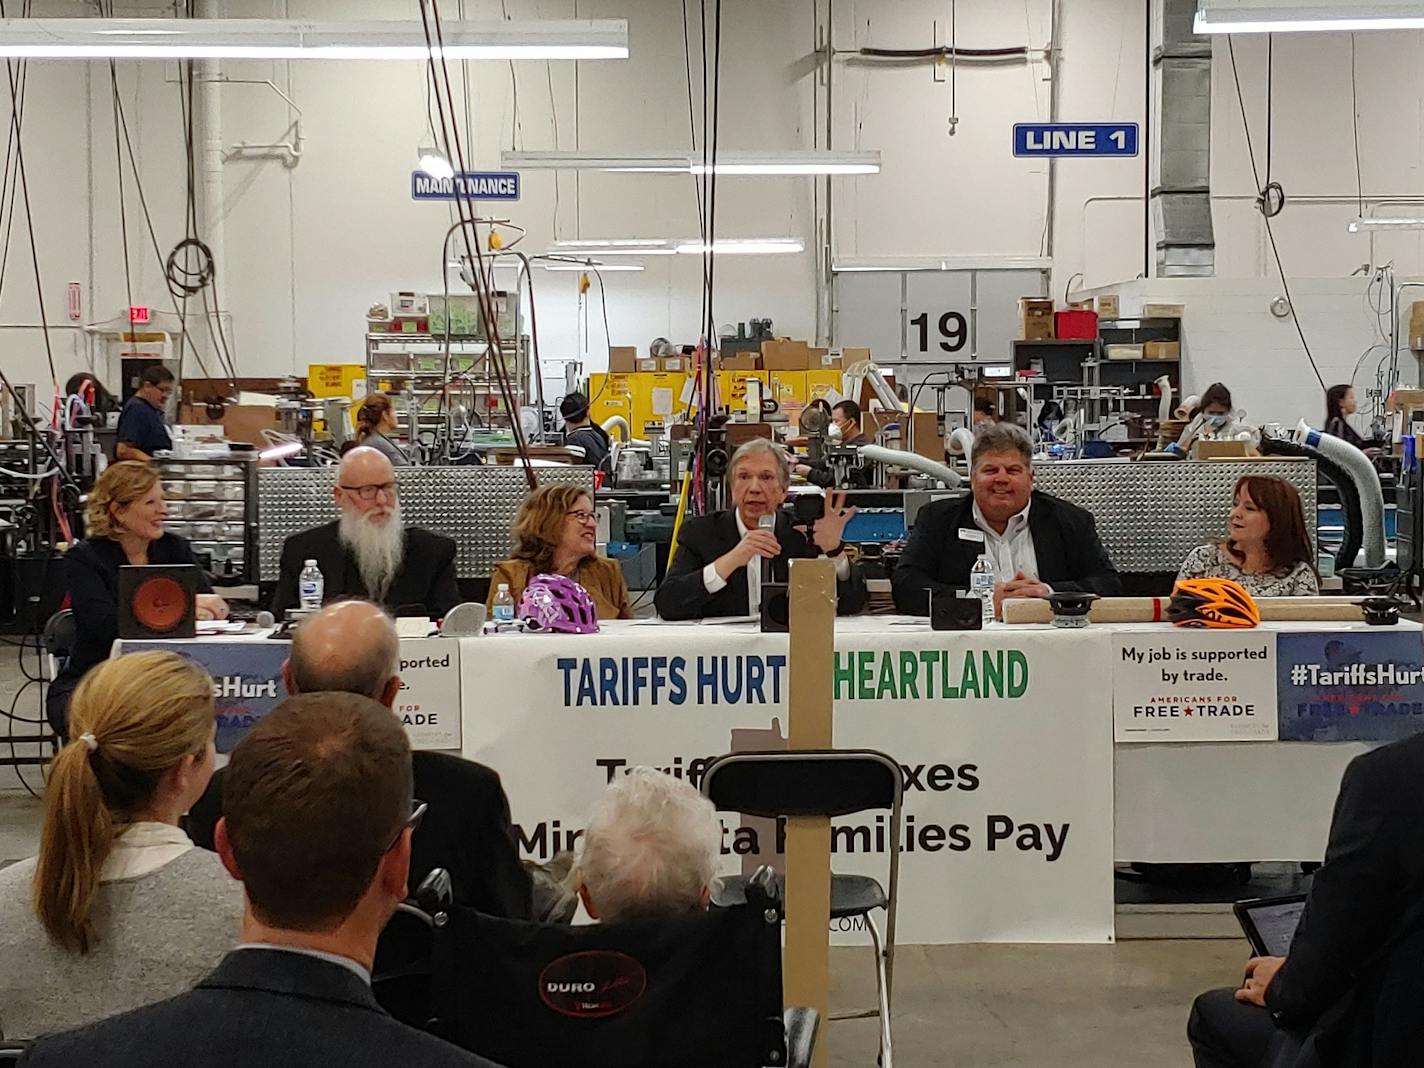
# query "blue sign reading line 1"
(1075, 139)
(475, 185)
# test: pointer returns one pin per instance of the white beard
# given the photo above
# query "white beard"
(379, 549)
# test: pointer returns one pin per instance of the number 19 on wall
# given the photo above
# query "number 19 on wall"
(953, 331)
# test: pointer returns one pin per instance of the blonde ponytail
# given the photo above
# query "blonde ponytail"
(130, 720)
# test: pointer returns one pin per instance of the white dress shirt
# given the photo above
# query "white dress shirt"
(714, 582)
(1012, 551)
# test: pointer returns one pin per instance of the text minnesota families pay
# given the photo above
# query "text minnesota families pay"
(860, 675)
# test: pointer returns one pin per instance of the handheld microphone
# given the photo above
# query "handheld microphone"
(766, 522)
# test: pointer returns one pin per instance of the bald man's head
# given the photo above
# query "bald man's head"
(366, 486)
(347, 647)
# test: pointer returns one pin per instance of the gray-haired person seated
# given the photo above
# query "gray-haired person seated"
(650, 850)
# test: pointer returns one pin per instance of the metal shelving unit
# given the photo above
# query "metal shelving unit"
(213, 503)
(411, 368)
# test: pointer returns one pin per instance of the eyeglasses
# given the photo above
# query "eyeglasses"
(418, 808)
(369, 493)
(583, 515)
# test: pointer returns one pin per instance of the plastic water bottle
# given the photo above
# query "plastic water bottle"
(503, 604)
(310, 586)
(981, 585)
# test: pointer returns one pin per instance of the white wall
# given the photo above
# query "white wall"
(308, 249)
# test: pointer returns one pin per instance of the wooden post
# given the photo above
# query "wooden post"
(806, 959)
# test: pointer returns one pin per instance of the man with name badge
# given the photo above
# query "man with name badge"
(1038, 544)
(717, 569)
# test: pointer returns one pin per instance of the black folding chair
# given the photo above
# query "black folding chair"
(698, 990)
(823, 782)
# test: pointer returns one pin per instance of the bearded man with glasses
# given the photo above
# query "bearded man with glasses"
(369, 552)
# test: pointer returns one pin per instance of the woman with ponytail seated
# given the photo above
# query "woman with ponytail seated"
(375, 422)
(119, 909)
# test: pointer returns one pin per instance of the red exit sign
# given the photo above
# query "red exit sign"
(139, 315)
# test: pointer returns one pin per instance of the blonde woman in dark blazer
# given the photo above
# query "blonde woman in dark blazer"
(556, 533)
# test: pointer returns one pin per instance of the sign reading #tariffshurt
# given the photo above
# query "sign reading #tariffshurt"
(1194, 686)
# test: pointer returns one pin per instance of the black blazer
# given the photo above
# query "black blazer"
(682, 594)
(1366, 903)
(260, 1008)
(426, 578)
(91, 576)
(1065, 541)
(466, 830)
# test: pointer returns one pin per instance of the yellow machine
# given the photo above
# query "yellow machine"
(642, 397)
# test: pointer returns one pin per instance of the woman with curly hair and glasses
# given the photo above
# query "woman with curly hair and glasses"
(556, 533)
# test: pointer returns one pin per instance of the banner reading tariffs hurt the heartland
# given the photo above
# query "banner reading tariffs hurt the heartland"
(1006, 756)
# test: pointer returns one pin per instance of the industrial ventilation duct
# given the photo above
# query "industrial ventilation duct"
(1181, 150)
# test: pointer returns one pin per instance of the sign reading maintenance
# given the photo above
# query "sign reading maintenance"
(474, 185)
(1075, 139)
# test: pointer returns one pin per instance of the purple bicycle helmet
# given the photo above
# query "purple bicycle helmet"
(559, 604)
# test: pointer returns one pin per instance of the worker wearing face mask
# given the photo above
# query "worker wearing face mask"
(1214, 415)
(843, 432)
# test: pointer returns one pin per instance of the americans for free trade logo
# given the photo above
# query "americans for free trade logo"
(1356, 686)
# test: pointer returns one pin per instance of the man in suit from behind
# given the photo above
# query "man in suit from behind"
(351, 647)
(1347, 992)
(717, 568)
(1037, 543)
(318, 816)
(369, 552)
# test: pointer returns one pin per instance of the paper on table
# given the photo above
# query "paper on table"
(662, 400)
(220, 626)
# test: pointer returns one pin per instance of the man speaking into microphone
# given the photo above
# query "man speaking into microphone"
(722, 559)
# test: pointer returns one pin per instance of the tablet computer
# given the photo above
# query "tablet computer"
(1269, 922)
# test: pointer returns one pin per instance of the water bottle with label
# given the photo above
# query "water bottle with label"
(310, 586)
(981, 585)
(503, 604)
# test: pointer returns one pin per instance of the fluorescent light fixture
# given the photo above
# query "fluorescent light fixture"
(1291, 16)
(288, 39)
(281, 452)
(1368, 223)
(615, 242)
(775, 246)
(940, 263)
(434, 163)
(594, 267)
(792, 163)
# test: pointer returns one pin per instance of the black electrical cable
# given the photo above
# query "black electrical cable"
(119, 173)
(944, 52)
(1355, 125)
(1270, 230)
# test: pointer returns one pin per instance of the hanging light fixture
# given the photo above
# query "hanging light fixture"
(1297, 16)
(434, 162)
(288, 39)
(1369, 223)
(792, 163)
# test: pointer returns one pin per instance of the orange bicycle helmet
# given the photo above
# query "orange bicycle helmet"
(1212, 602)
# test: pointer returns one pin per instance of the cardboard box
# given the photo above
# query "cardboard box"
(831, 361)
(741, 433)
(1162, 350)
(785, 356)
(852, 356)
(677, 364)
(245, 422)
(1404, 400)
(929, 437)
(1163, 311)
(1124, 352)
(1220, 450)
(622, 360)
(1416, 325)
(649, 364)
(1109, 306)
(742, 361)
(1036, 319)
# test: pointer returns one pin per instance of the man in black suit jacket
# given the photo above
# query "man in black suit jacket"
(708, 575)
(351, 647)
(369, 553)
(1038, 543)
(1338, 987)
(317, 828)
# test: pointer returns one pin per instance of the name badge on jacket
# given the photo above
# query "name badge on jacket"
(970, 534)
